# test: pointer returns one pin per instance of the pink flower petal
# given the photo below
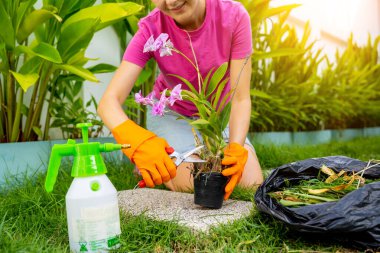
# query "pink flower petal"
(175, 94)
(160, 41)
(149, 45)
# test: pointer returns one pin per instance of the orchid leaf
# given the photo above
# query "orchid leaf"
(216, 78)
(200, 122)
(216, 97)
(187, 83)
(206, 80)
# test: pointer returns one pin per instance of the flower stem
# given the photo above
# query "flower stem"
(200, 79)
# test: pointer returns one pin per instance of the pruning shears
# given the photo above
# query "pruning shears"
(180, 158)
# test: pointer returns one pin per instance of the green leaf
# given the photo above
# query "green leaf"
(133, 21)
(31, 65)
(187, 83)
(22, 11)
(215, 99)
(205, 81)
(79, 71)
(79, 59)
(25, 80)
(42, 50)
(32, 21)
(102, 68)
(76, 37)
(7, 33)
(143, 77)
(108, 14)
(259, 93)
(38, 131)
(278, 10)
(216, 78)
(200, 122)
(257, 55)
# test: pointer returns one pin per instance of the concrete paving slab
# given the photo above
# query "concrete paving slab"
(180, 207)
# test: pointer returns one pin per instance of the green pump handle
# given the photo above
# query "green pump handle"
(87, 158)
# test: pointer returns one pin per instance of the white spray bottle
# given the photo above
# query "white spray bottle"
(91, 202)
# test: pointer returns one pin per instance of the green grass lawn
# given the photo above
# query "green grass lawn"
(33, 221)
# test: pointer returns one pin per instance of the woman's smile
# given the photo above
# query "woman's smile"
(177, 8)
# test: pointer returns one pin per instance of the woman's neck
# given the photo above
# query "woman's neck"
(198, 17)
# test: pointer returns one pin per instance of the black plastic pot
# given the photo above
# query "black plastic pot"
(209, 189)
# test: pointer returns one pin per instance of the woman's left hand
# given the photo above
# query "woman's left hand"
(235, 156)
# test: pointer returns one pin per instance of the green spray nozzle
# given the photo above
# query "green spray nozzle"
(87, 159)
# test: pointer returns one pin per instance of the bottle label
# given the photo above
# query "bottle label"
(98, 228)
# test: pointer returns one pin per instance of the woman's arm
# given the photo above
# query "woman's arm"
(147, 150)
(110, 109)
(241, 101)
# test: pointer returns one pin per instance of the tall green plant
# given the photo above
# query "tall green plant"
(275, 50)
(349, 89)
(37, 46)
(283, 94)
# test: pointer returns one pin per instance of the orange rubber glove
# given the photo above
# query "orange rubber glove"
(147, 152)
(235, 156)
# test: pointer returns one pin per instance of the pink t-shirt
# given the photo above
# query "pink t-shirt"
(224, 35)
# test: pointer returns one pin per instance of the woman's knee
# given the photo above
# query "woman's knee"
(252, 174)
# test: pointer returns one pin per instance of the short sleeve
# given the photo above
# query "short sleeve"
(134, 52)
(241, 36)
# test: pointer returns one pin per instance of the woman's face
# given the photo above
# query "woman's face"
(188, 14)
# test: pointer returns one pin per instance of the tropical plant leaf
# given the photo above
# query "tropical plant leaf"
(102, 68)
(42, 50)
(32, 21)
(107, 13)
(38, 131)
(278, 10)
(259, 93)
(144, 76)
(79, 71)
(257, 55)
(25, 80)
(76, 37)
(7, 33)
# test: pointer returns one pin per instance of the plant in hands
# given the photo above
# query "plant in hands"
(213, 108)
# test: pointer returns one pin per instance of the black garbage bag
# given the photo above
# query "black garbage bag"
(354, 220)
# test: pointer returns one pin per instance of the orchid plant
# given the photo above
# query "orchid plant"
(213, 109)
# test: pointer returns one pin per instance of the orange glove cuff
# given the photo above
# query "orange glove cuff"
(129, 132)
(235, 149)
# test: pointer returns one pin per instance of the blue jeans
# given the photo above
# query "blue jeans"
(177, 132)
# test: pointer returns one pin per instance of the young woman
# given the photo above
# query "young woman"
(209, 32)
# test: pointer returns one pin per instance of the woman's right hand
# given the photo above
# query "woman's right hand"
(147, 151)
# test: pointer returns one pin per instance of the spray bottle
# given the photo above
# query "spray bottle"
(91, 202)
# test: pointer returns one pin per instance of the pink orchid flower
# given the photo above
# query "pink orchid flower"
(158, 108)
(175, 94)
(166, 50)
(148, 100)
(161, 43)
